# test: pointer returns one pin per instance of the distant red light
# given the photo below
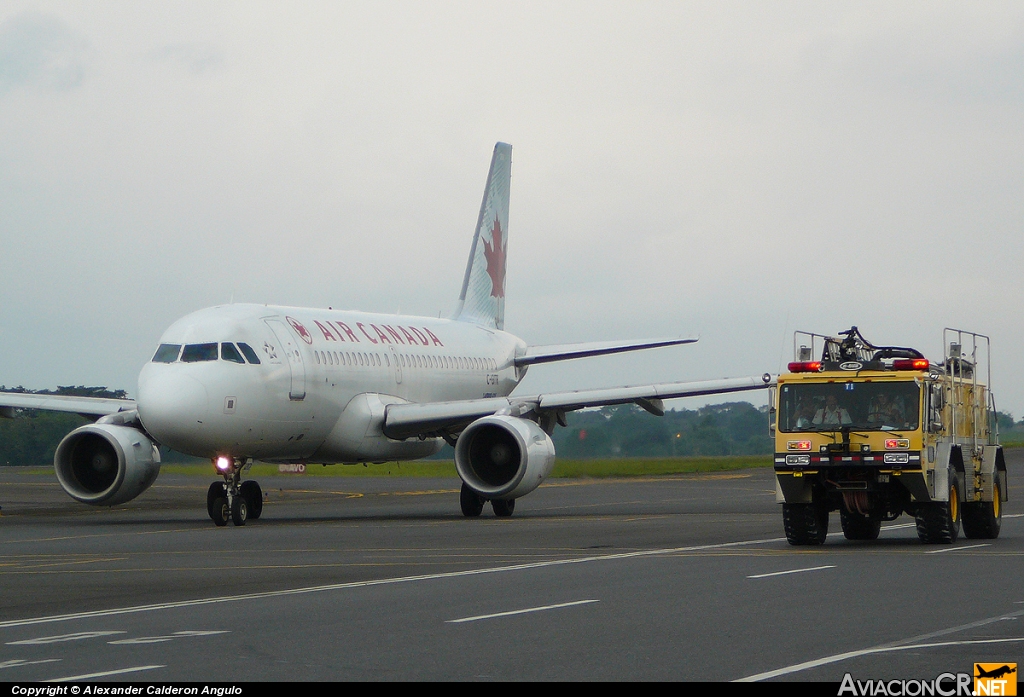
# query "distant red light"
(910, 364)
(805, 367)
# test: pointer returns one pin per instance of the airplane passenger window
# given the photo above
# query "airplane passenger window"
(229, 353)
(336, 359)
(250, 355)
(167, 353)
(196, 353)
(387, 361)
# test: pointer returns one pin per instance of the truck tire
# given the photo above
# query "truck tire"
(805, 523)
(939, 522)
(859, 527)
(982, 520)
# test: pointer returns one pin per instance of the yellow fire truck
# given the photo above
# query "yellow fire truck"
(877, 431)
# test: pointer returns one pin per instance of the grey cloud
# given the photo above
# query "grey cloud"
(41, 51)
(194, 57)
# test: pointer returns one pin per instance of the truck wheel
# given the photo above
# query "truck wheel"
(858, 527)
(939, 523)
(805, 523)
(982, 520)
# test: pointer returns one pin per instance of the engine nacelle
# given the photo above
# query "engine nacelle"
(104, 464)
(504, 457)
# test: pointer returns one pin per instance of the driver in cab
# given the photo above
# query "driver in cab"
(832, 414)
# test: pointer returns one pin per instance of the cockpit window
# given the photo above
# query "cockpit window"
(167, 353)
(194, 353)
(229, 353)
(249, 353)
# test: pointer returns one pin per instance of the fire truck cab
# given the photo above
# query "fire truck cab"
(877, 431)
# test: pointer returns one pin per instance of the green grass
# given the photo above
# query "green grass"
(618, 467)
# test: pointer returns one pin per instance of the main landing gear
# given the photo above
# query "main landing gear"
(473, 504)
(233, 499)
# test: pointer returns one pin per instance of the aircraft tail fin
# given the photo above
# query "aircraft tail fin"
(483, 291)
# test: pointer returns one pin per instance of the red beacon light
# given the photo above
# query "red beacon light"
(910, 364)
(805, 367)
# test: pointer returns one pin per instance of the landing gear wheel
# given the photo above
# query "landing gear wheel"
(216, 491)
(982, 520)
(805, 523)
(859, 527)
(239, 511)
(472, 502)
(939, 523)
(219, 511)
(253, 495)
(503, 508)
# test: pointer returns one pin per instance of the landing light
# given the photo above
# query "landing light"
(223, 464)
(805, 367)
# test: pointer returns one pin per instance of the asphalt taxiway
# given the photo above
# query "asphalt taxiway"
(668, 578)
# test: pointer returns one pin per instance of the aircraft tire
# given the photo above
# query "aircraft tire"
(220, 512)
(858, 527)
(472, 503)
(239, 511)
(939, 522)
(216, 491)
(503, 508)
(983, 520)
(253, 495)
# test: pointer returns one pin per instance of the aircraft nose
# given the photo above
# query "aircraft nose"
(173, 408)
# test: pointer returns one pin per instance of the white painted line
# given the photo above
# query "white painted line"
(376, 582)
(521, 612)
(793, 571)
(957, 549)
(18, 662)
(90, 676)
(911, 642)
(866, 652)
(167, 637)
(63, 637)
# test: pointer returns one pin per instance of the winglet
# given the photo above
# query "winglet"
(483, 290)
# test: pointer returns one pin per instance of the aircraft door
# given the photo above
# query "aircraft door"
(398, 366)
(292, 356)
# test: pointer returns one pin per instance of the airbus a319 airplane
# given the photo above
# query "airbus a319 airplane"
(242, 382)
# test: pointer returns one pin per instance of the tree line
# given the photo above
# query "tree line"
(734, 428)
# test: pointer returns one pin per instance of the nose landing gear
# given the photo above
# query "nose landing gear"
(233, 499)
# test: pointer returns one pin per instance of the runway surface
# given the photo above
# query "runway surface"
(671, 578)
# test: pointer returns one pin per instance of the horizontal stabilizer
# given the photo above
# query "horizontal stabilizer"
(564, 352)
(407, 420)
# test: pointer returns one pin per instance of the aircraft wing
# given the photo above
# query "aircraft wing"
(435, 418)
(86, 406)
(564, 352)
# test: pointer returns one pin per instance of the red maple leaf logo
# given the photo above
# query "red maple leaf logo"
(300, 330)
(496, 261)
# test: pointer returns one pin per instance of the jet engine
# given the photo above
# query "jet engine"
(105, 464)
(503, 457)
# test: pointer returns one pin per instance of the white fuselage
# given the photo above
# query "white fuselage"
(323, 378)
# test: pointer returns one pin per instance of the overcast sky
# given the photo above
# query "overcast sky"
(733, 170)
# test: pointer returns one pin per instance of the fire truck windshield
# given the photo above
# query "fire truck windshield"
(864, 406)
